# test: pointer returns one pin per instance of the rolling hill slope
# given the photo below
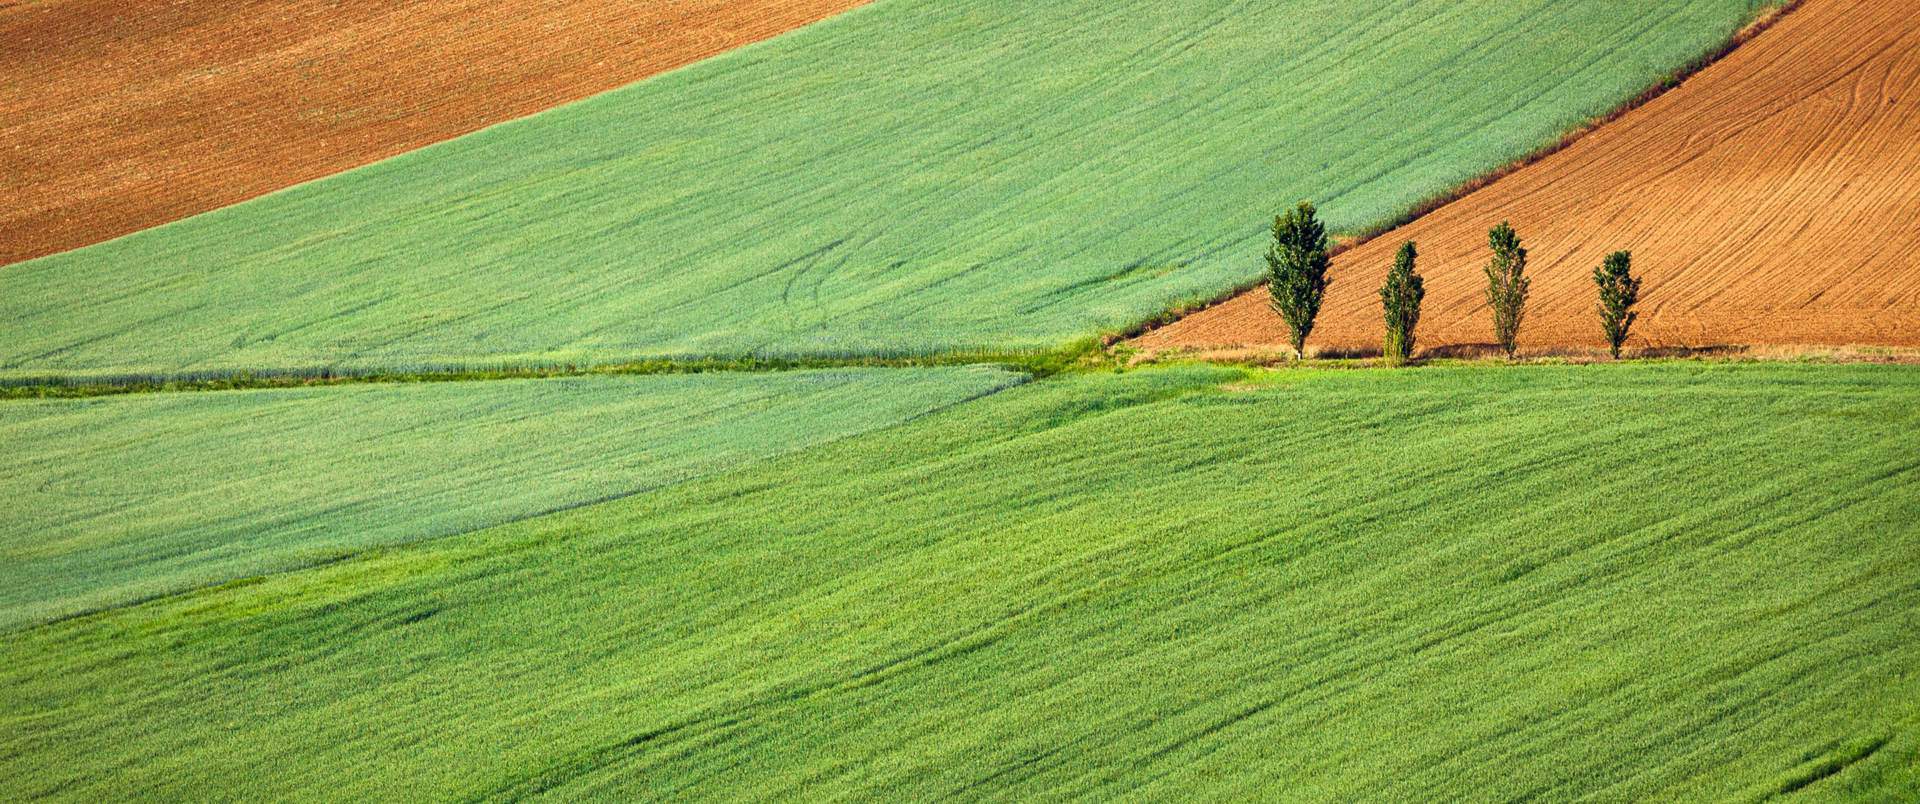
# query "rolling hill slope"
(915, 176)
(122, 115)
(1640, 582)
(1768, 200)
(123, 498)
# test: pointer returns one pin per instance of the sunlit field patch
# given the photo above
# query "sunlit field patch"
(1646, 582)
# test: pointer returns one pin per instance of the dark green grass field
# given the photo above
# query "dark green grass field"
(913, 177)
(119, 498)
(1656, 582)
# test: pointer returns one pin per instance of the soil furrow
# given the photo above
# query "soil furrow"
(1768, 201)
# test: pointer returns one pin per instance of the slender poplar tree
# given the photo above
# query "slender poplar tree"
(1297, 271)
(1619, 291)
(1400, 301)
(1507, 286)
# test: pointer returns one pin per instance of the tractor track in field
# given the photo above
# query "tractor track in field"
(121, 115)
(1769, 200)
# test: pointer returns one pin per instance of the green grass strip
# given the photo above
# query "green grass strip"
(126, 498)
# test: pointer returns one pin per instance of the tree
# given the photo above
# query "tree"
(1297, 271)
(1400, 301)
(1619, 291)
(1507, 285)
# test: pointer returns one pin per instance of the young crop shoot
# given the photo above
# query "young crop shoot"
(1400, 301)
(1297, 271)
(1619, 291)
(1507, 286)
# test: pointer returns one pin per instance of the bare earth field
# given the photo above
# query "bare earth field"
(119, 115)
(1772, 199)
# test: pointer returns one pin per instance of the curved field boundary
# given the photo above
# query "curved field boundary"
(919, 177)
(118, 500)
(122, 115)
(1768, 201)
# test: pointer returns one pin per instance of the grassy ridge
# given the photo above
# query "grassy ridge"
(1668, 582)
(118, 499)
(916, 176)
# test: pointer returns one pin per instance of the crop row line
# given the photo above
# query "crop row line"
(1037, 363)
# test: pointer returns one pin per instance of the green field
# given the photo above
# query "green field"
(914, 176)
(122, 498)
(1638, 582)
(1665, 581)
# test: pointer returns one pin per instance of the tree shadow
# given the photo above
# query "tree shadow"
(1462, 351)
(1716, 350)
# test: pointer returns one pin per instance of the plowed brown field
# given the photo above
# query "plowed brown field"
(1774, 198)
(117, 115)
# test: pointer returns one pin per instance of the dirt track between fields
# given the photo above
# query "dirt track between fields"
(118, 115)
(1774, 198)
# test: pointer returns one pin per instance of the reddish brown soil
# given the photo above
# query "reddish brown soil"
(118, 115)
(1774, 198)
